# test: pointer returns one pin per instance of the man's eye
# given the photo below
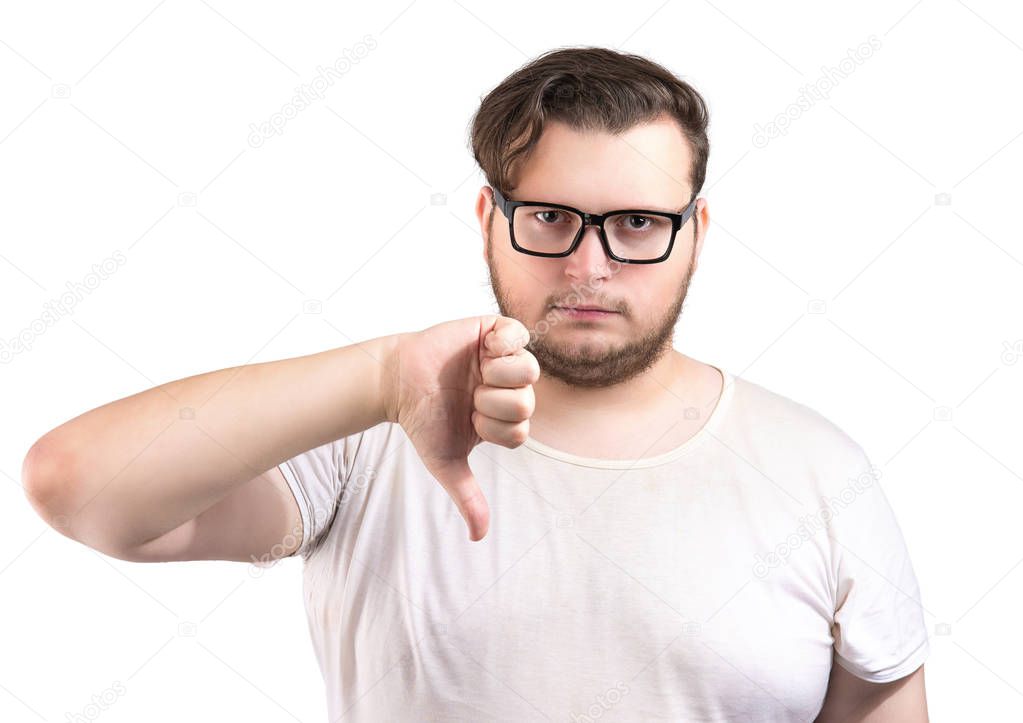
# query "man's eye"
(548, 216)
(634, 222)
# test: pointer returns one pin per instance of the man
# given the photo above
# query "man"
(649, 536)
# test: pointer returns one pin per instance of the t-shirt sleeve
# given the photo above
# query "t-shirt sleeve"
(879, 630)
(316, 478)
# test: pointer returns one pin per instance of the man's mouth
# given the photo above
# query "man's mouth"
(592, 312)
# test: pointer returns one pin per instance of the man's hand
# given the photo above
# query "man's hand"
(456, 384)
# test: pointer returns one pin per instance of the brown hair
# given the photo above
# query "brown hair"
(588, 88)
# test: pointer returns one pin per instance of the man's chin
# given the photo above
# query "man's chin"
(573, 354)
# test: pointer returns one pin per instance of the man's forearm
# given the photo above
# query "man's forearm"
(138, 467)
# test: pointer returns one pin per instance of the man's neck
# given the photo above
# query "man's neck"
(647, 416)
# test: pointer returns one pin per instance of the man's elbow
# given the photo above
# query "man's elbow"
(52, 488)
(46, 480)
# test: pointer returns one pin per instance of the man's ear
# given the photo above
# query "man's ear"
(701, 217)
(484, 214)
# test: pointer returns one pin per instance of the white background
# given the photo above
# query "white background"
(834, 272)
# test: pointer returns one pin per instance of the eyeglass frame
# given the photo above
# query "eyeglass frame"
(508, 207)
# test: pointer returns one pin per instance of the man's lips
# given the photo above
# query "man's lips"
(586, 310)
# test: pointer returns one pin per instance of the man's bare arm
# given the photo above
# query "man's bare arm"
(187, 469)
(853, 700)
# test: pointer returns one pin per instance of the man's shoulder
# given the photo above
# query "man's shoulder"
(798, 426)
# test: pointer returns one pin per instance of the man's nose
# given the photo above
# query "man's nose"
(589, 258)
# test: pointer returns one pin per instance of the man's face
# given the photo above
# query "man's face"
(645, 167)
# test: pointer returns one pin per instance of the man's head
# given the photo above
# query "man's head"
(597, 130)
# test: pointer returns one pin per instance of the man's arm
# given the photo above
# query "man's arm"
(188, 470)
(853, 700)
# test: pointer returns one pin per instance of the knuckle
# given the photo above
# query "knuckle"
(519, 434)
(482, 428)
(534, 368)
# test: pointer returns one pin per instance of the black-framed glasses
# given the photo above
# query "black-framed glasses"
(555, 230)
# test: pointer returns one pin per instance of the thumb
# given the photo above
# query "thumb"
(460, 484)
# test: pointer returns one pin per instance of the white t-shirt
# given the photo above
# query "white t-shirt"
(711, 582)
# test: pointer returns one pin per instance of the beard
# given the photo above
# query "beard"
(591, 363)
